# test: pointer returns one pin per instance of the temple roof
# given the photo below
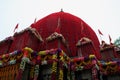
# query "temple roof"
(71, 27)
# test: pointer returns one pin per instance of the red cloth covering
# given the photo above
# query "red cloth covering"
(108, 53)
(88, 49)
(5, 45)
(25, 39)
(70, 28)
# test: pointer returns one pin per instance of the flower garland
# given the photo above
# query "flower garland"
(5, 57)
(94, 73)
(83, 62)
(25, 59)
(108, 67)
(9, 59)
(36, 72)
(54, 68)
(61, 74)
(19, 54)
(27, 55)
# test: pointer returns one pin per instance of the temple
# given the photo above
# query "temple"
(60, 46)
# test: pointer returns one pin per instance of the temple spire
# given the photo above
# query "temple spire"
(61, 10)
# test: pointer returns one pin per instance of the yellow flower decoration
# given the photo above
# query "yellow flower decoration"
(19, 55)
(91, 56)
(42, 53)
(61, 74)
(29, 49)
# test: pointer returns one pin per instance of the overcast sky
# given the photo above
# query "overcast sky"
(99, 14)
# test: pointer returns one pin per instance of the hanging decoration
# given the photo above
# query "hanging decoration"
(36, 72)
(110, 67)
(15, 62)
(83, 62)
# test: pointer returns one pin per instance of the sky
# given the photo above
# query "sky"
(98, 14)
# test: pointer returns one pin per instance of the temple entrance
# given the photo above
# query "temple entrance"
(83, 75)
(45, 72)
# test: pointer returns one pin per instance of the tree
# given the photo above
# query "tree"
(117, 42)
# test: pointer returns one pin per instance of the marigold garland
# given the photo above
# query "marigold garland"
(6, 58)
(19, 56)
(54, 65)
(27, 55)
(36, 72)
(61, 74)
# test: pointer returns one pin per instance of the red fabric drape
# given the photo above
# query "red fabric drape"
(87, 49)
(70, 28)
(25, 39)
(108, 54)
(5, 46)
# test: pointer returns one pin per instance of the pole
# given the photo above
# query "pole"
(79, 52)
(58, 43)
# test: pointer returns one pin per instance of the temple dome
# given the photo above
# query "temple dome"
(71, 27)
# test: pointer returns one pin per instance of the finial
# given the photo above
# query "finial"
(61, 10)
